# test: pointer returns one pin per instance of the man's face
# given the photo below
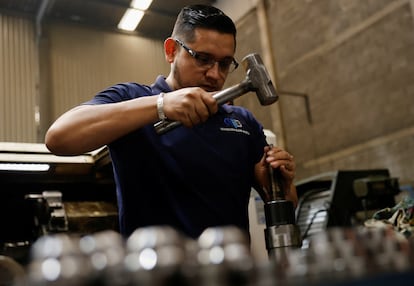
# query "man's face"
(187, 70)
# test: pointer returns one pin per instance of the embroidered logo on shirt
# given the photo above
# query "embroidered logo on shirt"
(233, 125)
(230, 122)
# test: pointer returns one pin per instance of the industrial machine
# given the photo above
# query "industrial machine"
(79, 248)
(45, 194)
(343, 198)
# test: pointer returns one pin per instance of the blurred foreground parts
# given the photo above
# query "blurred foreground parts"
(220, 256)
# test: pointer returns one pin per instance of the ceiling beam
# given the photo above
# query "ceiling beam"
(40, 14)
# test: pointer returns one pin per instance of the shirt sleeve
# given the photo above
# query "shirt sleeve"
(120, 92)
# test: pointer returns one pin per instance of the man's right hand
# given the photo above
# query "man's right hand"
(190, 105)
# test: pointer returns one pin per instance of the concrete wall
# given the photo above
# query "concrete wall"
(355, 62)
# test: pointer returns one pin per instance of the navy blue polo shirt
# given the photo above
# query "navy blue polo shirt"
(188, 178)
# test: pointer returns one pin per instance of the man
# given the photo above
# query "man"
(198, 175)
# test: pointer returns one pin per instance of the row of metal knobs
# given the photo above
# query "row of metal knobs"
(220, 256)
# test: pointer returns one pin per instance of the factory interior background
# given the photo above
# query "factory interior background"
(349, 62)
(343, 70)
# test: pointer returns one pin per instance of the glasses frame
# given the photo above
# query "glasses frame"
(196, 55)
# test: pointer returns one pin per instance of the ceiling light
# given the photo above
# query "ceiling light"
(141, 4)
(133, 15)
(131, 19)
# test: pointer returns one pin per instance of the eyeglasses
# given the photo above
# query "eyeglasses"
(207, 61)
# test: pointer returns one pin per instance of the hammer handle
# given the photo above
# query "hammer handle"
(232, 92)
(226, 95)
(275, 183)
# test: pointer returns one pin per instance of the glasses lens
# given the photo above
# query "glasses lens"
(227, 65)
(207, 61)
(204, 60)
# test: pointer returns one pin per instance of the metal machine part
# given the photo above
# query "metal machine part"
(49, 214)
(104, 253)
(46, 194)
(257, 80)
(342, 198)
(159, 255)
(224, 257)
(11, 272)
(281, 232)
(57, 260)
(156, 255)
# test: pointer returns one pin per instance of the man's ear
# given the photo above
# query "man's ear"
(170, 49)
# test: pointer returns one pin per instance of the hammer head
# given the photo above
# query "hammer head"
(259, 79)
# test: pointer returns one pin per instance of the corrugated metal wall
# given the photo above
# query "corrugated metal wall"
(83, 62)
(68, 67)
(18, 74)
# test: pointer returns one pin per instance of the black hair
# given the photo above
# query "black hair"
(202, 16)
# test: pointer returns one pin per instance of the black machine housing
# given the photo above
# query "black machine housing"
(343, 198)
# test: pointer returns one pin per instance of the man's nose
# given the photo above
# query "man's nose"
(215, 71)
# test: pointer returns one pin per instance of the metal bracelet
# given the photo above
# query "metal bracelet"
(160, 107)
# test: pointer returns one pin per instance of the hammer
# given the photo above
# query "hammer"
(257, 79)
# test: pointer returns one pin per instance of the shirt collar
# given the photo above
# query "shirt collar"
(160, 85)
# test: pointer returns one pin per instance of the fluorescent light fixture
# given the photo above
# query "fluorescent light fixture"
(141, 4)
(24, 167)
(133, 15)
(131, 19)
